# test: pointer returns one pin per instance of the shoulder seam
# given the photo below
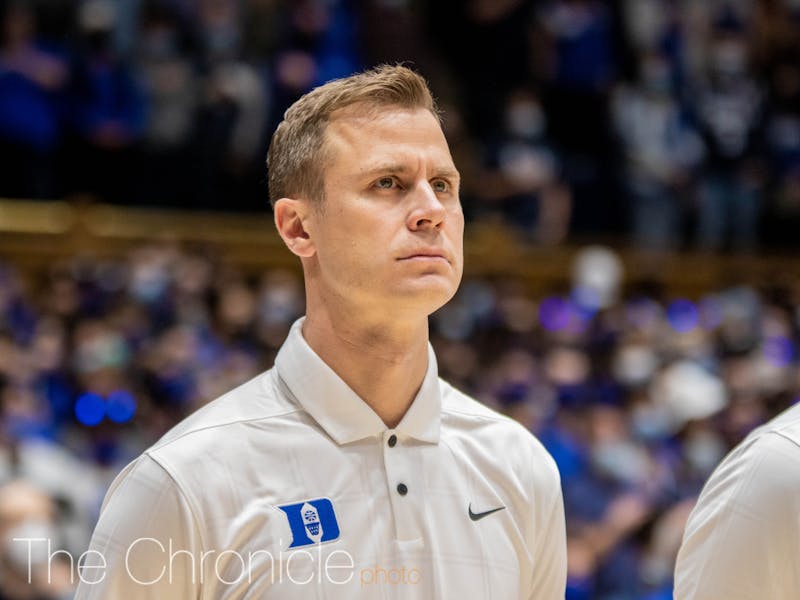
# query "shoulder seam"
(499, 417)
(493, 416)
(786, 437)
(158, 446)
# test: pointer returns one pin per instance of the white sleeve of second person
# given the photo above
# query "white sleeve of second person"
(742, 540)
(146, 544)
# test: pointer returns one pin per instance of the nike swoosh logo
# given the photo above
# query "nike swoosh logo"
(479, 516)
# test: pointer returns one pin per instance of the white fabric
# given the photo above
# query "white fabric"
(298, 432)
(742, 540)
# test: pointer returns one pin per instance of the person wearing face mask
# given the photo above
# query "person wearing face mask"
(173, 90)
(529, 188)
(27, 572)
(660, 148)
(730, 113)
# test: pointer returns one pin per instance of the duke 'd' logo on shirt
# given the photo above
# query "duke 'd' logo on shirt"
(311, 521)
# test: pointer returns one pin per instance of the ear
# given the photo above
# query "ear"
(291, 217)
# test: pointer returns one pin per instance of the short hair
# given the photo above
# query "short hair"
(297, 152)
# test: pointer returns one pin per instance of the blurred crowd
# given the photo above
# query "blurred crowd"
(674, 122)
(636, 395)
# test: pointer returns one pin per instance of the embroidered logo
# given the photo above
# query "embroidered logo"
(480, 515)
(311, 522)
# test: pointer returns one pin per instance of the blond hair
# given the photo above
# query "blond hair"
(297, 152)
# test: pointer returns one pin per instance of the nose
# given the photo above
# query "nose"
(427, 211)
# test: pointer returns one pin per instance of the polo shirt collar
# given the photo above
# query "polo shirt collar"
(338, 409)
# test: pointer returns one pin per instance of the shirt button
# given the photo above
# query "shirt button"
(392, 440)
(402, 489)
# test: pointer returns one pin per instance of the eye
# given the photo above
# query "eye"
(385, 183)
(440, 186)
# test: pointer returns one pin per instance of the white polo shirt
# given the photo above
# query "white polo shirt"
(743, 536)
(290, 486)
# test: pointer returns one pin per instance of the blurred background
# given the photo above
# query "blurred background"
(631, 180)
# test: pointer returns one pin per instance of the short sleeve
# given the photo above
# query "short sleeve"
(743, 536)
(146, 544)
(550, 562)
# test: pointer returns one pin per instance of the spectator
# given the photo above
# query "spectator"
(26, 512)
(173, 90)
(730, 113)
(579, 63)
(108, 111)
(32, 79)
(527, 184)
(230, 130)
(661, 150)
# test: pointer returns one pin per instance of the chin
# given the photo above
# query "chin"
(424, 299)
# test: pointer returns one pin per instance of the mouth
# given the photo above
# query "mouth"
(425, 255)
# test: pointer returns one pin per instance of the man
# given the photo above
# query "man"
(742, 540)
(349, 470)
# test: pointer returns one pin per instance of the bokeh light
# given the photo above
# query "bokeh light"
(554, 313)
(682, 315)
(121, 406)
(90, 409)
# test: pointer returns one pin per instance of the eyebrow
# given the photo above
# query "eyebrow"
(400, 169)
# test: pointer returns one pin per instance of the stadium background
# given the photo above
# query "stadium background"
(631, 175)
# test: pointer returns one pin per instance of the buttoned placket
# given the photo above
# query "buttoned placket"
(398, 461)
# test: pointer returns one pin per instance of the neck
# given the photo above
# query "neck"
(383, 361)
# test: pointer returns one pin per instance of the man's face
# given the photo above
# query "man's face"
(388, 234)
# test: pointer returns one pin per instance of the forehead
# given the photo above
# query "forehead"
(395, 134)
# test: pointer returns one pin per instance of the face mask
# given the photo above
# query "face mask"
(149, 283)
(651, 423)
(525, 119)
(109, 350)
(24, 554)
(635, 365)
(280, 304)
(703, 451)
(621, 460)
